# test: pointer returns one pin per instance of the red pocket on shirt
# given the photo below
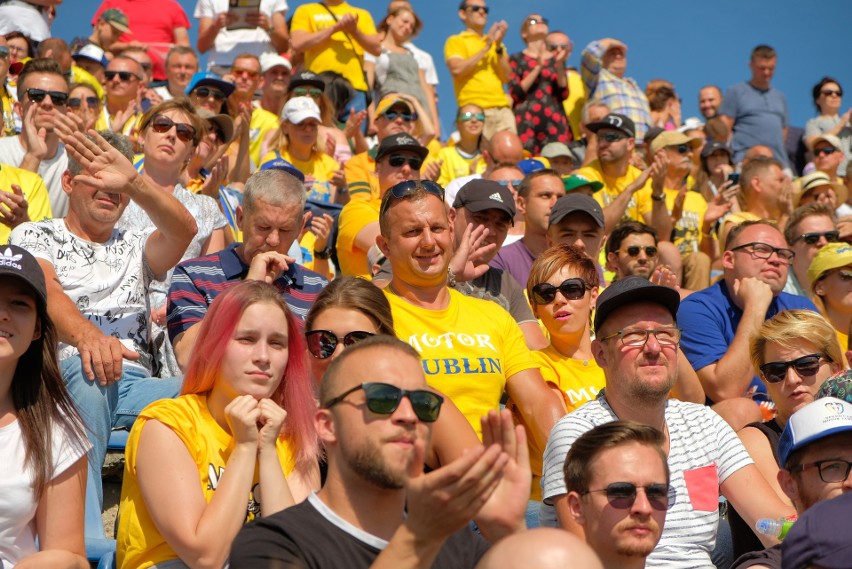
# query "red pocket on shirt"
(702, 485)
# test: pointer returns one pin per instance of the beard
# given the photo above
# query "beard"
(368, 463)
(634, 549)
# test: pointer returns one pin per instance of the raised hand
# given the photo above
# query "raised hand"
(321, 227)
(105, 168)
(35, 138)
(467, 260)
(271, 422)
(14, 208)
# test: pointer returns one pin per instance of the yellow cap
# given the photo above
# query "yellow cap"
(831, 256)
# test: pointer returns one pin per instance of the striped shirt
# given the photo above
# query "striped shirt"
(704, 452)
(196, 282)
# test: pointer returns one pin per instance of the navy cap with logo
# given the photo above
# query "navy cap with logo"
(631, 290)
(401, 141)
(281, 164)
(571, 203)
(616, 121)
(306, 78)
(482, 194)
(18, 262)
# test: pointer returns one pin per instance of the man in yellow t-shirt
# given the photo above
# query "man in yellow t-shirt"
(480, 67)
(398, 158)
(246, 77)
(23, 197)
(471, 349)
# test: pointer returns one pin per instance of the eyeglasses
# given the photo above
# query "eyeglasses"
(402, 189)
(634, 250)
(813, 238)
(764, 251)
(622, 495)
(509, 183)
(555, 46)
(831, 93)
(571, 289)
(468, 116)
(681, 148)
(4, 52)
(124, 76)
(827, 150)
(405, 116)
(638, 337)
(322, 343)
(534, 21)
(162, 124)
(831, 470)
(251, 73)
(384, 399)
(77, 102)
(205, 92)
(312, 92)
(805, 366)
(398, 160)
(611, 137)
(483, 9)
(58, 97)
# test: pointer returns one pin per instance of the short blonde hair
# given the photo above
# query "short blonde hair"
(790, 325)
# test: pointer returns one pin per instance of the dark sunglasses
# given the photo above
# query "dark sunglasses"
(622, 495)
(205, 92)
(830, 92)
(77, 102)
(534, 21)
(571, 289)
(162, 124)
(402, 189)
(251, 73)
(407, 117)
(307, 92)
(384, 399)
(468, 116)
(322, 343)
(827, 150)
(123, 75)
(555, 46)
(681, 148)
(813, 238)
(634, 250)
(613, 136)
(397, 161)
(805, 366)
(58, 97)
(483, 9)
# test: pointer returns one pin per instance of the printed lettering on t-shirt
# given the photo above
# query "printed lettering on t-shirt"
(463, 366)
(582, 395)
(450, 340)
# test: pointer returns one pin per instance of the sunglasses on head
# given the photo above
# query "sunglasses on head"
(58, 97)
(162, 124)
(307, 92)
(469, 116)
(813, 238)
(483, 9)
(571, 289)
(384, 399)
(402, 189)
(251, 73)
(805, 366)
(398, 160)
(634, 250)
(77, 102)
(613, 136)
(122, 75)
(322, 343)
(622, 495)
(827, 150)
(404, 115)
(205, 92)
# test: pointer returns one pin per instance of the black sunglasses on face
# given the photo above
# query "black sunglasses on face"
(571, 289)
(162, 124)
(827, 150)
(634, 250)
(205, 92)
(805, 366)
(397, 160)
(536, 20)
(122, 75)
(483, 9)
(611, 137)
(384, 399)
(681, 148)
(622, 495)
(58, 97)
(77, 102)
(322, 343)
(402, 189)
(813, 238)
(830, 92)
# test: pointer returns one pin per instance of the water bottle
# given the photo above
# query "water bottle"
(775, 528)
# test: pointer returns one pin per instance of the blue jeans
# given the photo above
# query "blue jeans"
(104, 408)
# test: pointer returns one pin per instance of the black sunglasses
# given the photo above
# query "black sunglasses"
(205, 92)
(805, 366)
(384, 399)
(622, 495)
(397, 160)
(402, 189)
(830, 92)
(77, 102)
(162, 124)
(483, 9)
(571, 289)
(407, 117)
(825, 150)
(813, 238)
(322, 343)
(613, 136)
(634, 250)
(123, 75)
(58, 97)
(681, 148)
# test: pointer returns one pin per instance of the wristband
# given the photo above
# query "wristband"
(499, 50)
(658, 198)
(323, 253)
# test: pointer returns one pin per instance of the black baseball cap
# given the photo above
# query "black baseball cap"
(18, 262)
(576, 202)
(482, 194)
(713, 146)
(401, 141)
(306, 78)
(631, 290)
(616, 121)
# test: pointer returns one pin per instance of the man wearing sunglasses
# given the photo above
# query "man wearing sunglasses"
(124, 87)
(637, 344)
(631, 250)
(480, 67)
(377, 507)
(617, 479)
(815, 455)
(247, 78)
(828, 155)
(810, 228)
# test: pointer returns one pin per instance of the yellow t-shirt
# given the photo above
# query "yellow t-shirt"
(481, 86)
(468, 350)
(262, 122)
(338, 53)
(456, 166)
(687, 230)
(104, 122)
(321, 166)
(34, 190)
(361, 179)
(139, 543)
(573, 105)
(7, 107)
(354, 217)
(641, 200)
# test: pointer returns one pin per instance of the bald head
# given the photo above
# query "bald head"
(542, 548)
(505, 146)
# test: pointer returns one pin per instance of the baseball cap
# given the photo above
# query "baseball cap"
(530, 165)
(482, 194)
(209, 79)
(300, 109)
(815, 421)
(400, 141)
(284, 165)
(270, 60)
(616, 121)
(92, 52)
(831, 256)
(389, 101)
(814, 180)
(306, 78)
(630, 290)
(117, 19)
(692, 123)
(672, 138)
(713, 146)
(224, 122)
(576, 202)
(556, 149)
(18, 262)
(574, 181)
(829, 138)
(821, 537)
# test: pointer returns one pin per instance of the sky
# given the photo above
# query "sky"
(688, 42)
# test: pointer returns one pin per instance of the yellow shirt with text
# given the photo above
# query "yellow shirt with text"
(687, 229)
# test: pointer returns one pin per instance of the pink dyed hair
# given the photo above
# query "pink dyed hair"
(295, 393)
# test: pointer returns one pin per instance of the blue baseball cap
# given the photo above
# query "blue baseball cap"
(281, 164)
(209, 79)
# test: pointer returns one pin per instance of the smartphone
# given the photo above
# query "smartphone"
(734, 178)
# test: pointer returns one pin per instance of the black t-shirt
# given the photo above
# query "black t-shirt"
(771, 557)
(310, 536)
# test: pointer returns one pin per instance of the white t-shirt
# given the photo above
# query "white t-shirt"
(20, 16)
(11, 152)
(107, 281)
(229, 44)
(703, 452)
(17, 500)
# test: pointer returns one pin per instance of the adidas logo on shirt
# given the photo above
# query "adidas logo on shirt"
(496, 197)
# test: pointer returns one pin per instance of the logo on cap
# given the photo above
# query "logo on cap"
(405, 139)
(834, 407)
(496, 197)
(9, 259)
(614, 121)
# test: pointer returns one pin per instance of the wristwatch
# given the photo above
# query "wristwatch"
(658, 198)
(323, 253)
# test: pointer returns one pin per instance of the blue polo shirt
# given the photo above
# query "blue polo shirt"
(196, 282)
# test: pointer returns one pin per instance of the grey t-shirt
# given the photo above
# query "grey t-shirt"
(759, 118)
